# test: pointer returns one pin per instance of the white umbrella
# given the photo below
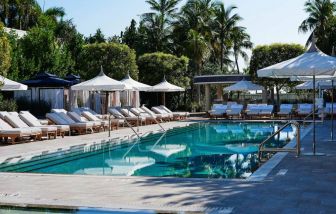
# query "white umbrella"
(164, 87)
(101, 83)
(312, 63)
(244, 85)
(308, 85)
(10, 85)
(138, 86)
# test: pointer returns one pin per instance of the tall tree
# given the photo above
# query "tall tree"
(225, 21)
(241, 42)
(158, 21)
(320, 12)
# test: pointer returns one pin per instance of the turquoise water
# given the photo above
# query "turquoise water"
(203, 150)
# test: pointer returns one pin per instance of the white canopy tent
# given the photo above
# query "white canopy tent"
(164, 87)
(320, 84)
(102, 83)
(133, 97)
(10, 85)
(311, 63)
(244, 86)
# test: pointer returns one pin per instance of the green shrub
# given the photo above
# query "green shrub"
(8, 105)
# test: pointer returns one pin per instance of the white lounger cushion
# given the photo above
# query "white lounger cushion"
(116, 113)
(58, 111)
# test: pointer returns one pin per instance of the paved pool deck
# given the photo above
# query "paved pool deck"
(296, 185)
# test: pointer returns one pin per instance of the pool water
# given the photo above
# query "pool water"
(201, 150)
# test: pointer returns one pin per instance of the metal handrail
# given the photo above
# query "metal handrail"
(298, 141)
(310, 114)
(127, 123)
(157, 122)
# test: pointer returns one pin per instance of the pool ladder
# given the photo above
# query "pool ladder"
(297, 150)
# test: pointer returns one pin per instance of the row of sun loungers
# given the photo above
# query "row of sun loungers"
(17, 126)
(253, 111)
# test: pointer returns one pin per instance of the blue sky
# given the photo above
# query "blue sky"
(267, 21)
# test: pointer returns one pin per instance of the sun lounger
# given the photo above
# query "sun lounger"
(117, 114)
(87, 109)
(252, 111)
(14, 120)
(32, 121)
(160, 111)
(217, 111)
(129, 114)
(161, 117)
(140, 113)
(8, 132)
(96, 125)
(328, 108)
(304, 109)
(234, 111)
(105, 123)
(285, 111)
(63, 119)
(182, 114)
(266, 111)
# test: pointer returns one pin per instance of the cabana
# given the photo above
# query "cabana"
(244, 86)
(46, 87)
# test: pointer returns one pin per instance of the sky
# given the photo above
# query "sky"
(267, 21)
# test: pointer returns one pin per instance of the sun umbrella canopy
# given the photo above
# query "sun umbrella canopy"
(165, 86)
(312, 62)
(10, 85)
(101, 83)
(322, 84)
(135, 84)
(244, 86)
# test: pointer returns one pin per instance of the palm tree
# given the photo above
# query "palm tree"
(159, 20)
(55, 13)
(225, 21)
(319, 14)
(241, 42)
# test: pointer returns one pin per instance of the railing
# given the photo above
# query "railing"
(263, 149)
(311, 113)
(127, 123)
(157, 122)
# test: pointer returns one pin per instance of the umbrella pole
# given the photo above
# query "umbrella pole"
(332, 109)
(314, 109)
(164, 98)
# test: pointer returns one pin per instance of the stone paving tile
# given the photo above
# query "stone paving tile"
(307, 187)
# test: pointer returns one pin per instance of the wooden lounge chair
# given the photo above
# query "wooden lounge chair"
(134, 121)
(32, 121)
(63, 119)
(160, 111)
(160, 117)
(139, 113)
(7, 132)
(105, 123)
(14, 120)
(234, 111)
(183, 115)
(218, 111)
(304, 110)
(285, 111)
(266, 111)
(128, 114)
(96, 125)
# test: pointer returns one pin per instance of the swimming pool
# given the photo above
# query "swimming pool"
(200, 150)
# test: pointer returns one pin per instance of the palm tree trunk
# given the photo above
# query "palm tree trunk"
(221, 54)
(237, 65)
